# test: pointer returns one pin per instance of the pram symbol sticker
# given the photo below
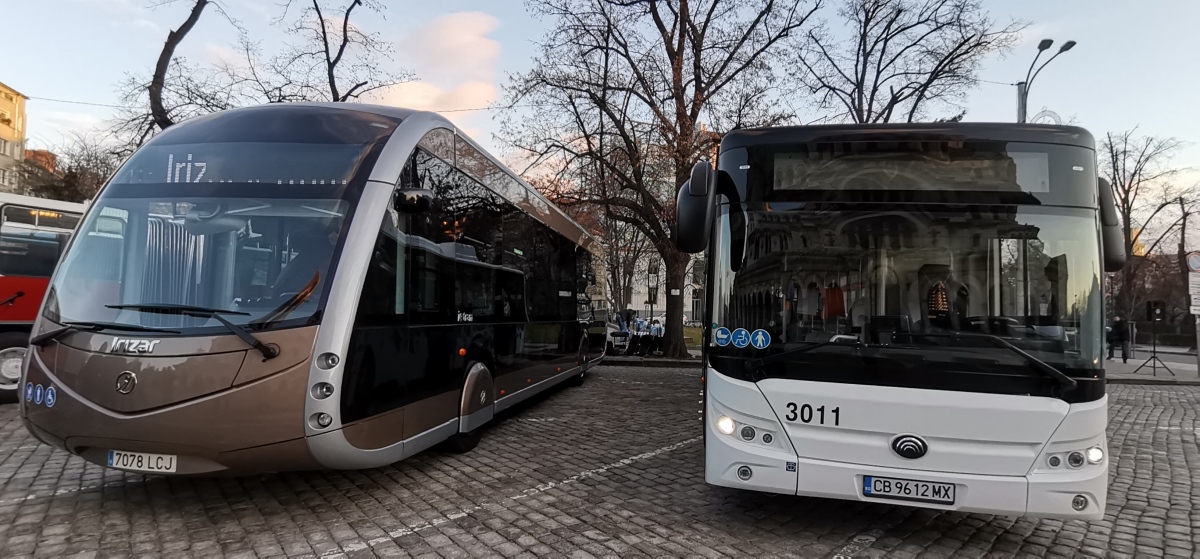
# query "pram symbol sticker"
(721, 336)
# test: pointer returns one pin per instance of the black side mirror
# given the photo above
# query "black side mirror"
(1112, 242)
(412, 200)
(694, 208)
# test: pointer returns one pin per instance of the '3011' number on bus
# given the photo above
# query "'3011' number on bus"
(808, 414)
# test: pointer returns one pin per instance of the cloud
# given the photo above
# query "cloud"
(454, 47)
(52, 128)
(456, 63)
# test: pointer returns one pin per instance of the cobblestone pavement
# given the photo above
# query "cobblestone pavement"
(609, 469)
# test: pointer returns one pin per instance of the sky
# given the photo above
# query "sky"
(1134, 64)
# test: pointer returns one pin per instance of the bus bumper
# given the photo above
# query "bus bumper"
(767, 461)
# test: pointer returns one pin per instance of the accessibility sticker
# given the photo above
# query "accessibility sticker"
(741, 338)
(760, 339)
(38, 393)
(51, 397)
(29, 392)
(721, 336)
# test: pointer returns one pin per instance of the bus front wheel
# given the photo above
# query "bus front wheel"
(13, 346)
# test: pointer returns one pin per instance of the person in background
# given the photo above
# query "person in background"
(1119, 335)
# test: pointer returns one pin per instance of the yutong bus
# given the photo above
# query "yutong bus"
(907, 314)
(298, 286)
(33, 234)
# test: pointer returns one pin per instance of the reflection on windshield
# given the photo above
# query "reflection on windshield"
(914, 284)
(270, 258)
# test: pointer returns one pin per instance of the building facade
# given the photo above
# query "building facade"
(12, 136)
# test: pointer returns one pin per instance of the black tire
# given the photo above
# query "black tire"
(464, 442)
(12, 340)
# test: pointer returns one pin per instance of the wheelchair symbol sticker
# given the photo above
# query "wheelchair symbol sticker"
(51, 397)
(741, 338)
(721, 336)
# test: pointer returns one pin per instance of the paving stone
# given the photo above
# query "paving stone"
(580, 472)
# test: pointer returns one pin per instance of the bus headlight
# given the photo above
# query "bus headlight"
(1075, 459)
(1095, 455)
(725, 425)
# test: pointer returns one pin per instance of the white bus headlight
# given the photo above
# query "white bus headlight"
(725, 425)
(1075, 459)
(1095, 455)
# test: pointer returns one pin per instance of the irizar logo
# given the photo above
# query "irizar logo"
(909, 446)
(132, 345)
(466, 317)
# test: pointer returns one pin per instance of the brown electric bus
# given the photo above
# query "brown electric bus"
(299, 286)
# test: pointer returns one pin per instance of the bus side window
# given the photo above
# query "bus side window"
(429, 240)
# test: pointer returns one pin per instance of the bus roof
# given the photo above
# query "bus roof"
(932, 131)
(40, 203)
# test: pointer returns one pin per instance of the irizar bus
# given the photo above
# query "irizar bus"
(907, 314)
(301, 286)
(33, 233)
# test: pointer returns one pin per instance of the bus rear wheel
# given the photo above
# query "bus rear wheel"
(13, 346)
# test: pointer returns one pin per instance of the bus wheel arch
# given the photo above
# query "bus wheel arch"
(476, 407)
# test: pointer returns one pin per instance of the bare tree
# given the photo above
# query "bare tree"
(901, 59)
(79, 168)
(1138, 168)
(329, 59)
(620, 88)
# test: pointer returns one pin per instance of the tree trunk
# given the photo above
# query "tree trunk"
(675, 263)
(157, 110)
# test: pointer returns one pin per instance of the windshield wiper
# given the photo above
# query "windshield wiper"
(1064, 381)
(44, 337)
(268, 352)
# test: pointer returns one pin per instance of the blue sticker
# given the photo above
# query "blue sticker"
(29, 392)
(38, 392)
(741, 338)
(791, 466)
(721, 336)
(51, 397)
(760, 339)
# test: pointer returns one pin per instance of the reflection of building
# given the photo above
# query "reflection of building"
(12, 136)
(834, 272)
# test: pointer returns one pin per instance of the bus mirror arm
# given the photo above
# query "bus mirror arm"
(695, 205)
(412, 200)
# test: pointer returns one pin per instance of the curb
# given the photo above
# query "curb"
(1153, 381)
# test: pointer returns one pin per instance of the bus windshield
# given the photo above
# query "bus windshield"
(913, 291)
(948, 284)
(266, 260)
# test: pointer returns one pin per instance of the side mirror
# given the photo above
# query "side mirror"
(412, 200)
(1112, 242)
(694, 208)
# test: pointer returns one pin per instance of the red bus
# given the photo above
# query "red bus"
(33, 234)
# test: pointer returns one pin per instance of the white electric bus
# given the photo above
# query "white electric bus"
(907, 314)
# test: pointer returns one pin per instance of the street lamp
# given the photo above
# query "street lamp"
(1023, 87)
(652, 289)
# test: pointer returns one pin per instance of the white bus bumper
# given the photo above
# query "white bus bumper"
(775, 467)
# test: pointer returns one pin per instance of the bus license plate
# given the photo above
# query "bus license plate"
(908, 490)
(142, 461)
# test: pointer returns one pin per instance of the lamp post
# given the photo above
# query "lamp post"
(1023, 86)
(652, 290)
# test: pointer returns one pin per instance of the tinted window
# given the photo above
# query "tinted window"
(430, 243)
(29, 252)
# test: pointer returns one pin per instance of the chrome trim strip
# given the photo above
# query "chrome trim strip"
(468, 423)
(422, 441)
(374, 458)
(533, 390)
